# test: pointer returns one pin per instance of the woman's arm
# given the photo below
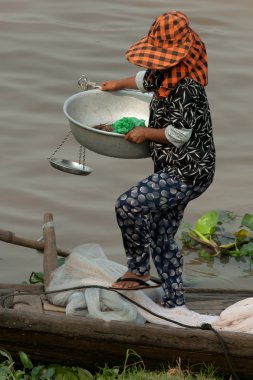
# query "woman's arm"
(119, 84)
(140, 134)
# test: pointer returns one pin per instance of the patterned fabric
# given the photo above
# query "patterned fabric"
(171, 43)
(149, 215)
(185, 108)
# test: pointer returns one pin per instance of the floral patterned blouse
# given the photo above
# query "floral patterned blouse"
(185, 113)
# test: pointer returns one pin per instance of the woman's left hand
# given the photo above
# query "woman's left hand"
(136, 135)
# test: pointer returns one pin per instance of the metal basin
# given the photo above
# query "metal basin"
(86, 109)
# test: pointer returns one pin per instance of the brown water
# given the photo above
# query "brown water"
(45, 46)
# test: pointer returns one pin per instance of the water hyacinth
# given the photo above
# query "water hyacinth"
(209, 231)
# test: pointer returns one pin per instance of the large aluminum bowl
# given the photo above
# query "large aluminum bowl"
(86, 109)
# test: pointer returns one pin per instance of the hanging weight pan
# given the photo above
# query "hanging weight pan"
(69, 166)
(87, 109)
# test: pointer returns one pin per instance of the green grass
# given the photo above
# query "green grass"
(175, 373)
(26, 370)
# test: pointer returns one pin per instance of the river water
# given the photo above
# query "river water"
(45, 47)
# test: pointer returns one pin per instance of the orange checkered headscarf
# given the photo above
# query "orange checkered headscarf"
(173, 47)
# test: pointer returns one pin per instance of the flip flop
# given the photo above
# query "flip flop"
(142, 284)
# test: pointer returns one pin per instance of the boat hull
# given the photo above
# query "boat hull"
(52, 337)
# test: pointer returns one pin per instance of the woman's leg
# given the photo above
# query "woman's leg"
(167, 257)
(149, 215)
(132, 214)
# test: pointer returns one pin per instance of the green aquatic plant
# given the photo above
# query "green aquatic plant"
(209, 231)
(204, 229)
(36, 278)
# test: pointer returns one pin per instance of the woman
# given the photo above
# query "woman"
(182, 149)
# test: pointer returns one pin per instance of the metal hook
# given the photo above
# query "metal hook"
(85, 84)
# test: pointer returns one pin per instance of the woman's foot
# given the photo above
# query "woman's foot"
(127, 281)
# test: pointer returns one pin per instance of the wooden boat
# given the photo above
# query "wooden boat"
(28, 322)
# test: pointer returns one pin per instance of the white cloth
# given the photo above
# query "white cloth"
(139, 80)
(177, 136)
(88, 265)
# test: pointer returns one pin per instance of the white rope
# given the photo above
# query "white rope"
(48, 225)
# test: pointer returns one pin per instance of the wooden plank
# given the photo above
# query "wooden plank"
(6, 298)
(10, 237)
(47, 306)
(33, 288)
(8, 291)
(204, 301)
(26, 302)
(190, 292)
(66, 339)
(211, 308)
(50, 261)
(219, 291)
(214, 302)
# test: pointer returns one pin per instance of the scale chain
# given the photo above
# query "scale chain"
(60, 145)
(82, 156)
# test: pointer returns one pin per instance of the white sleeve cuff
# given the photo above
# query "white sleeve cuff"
(177, 136)
(139, 80)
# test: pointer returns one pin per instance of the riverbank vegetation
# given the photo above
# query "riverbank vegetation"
(25, 369)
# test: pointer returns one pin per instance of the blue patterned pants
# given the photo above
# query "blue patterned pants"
(149, 215)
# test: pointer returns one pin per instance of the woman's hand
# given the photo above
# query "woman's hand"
(140, 134)
(136, 135)
(112, 85)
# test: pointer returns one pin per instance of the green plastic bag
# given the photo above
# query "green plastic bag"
(126, 124)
